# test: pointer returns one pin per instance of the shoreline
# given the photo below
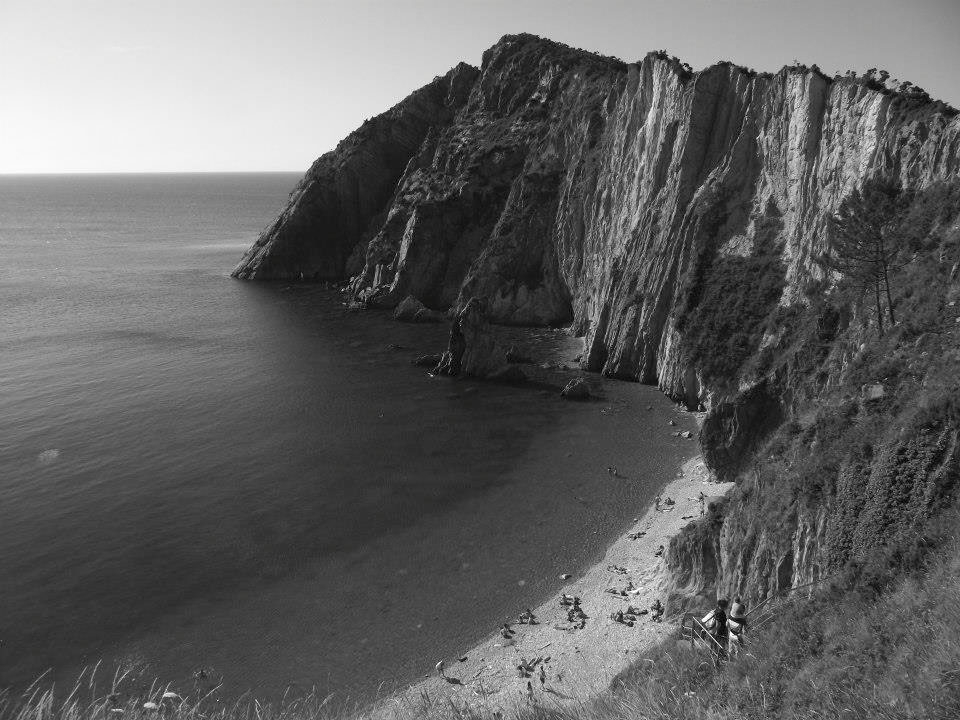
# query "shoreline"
(578, 663)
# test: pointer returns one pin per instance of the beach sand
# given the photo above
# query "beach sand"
(578, 663)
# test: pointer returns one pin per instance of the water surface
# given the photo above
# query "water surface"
(201, 472)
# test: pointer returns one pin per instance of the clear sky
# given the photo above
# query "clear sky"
(206, 85)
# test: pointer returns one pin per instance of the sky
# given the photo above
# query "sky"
(238, 85)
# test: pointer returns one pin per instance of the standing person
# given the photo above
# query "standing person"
(440, 669)
(720, 630)
(715, 622)
(737, 625)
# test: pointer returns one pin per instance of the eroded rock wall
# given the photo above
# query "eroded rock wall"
(340, 200)
(562, 187)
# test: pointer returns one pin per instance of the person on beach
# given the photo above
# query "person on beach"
(703, 504)
(440, 670)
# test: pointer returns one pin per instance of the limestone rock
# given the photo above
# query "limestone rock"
(414, 311)
(429, 361)
(576, 389)
(564, 187)
(408, 309)
(341, 200)
(472, 349)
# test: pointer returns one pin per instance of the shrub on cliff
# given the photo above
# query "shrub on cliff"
(726, 317)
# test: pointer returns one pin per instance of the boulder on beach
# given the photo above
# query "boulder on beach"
(414, 311)
(407, 310)
(576, 389)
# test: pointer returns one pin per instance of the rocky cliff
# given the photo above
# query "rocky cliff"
(670, 217)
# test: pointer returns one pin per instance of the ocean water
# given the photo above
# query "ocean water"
(201, 472)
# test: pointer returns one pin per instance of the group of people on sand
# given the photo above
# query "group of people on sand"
(726, 628)
(629, 616)
(575, 613)
(525, 618)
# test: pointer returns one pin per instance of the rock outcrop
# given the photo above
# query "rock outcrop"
(670, 217)
(343, 197)
(563, 187)
(473, 350)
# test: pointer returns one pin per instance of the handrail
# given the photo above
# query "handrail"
(704, 630)
(786, 593)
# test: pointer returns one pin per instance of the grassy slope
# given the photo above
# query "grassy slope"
(876, 470)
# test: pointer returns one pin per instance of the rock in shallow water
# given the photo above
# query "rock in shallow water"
(577, 389)
(472, 349)
(429, 361)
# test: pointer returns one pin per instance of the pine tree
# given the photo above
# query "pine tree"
(866, 239)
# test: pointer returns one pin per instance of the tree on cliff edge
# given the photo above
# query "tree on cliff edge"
(866, 239)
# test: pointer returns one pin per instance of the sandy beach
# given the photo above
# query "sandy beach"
(577, 663)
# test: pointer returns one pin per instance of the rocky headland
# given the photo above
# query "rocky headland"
(673, 219)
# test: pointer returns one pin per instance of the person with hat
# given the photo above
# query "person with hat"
(736, 625)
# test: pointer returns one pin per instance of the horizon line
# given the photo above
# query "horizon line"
(37, 173)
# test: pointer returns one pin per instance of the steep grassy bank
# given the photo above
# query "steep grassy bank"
(840, 439)
(881, 640)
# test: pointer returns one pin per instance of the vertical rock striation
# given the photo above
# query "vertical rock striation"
(665, 215)
(342, 197)
(563, 187)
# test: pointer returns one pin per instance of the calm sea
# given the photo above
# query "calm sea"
(202, 472)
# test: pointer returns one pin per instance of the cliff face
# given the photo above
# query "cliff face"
(343, 195)
(672, 219)
(562, 186)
